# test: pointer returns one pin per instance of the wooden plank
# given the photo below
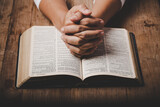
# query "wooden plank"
(49, 95)
(20, 21)
(145, 22)
(38, 95)
(5, 13)
(143, 19)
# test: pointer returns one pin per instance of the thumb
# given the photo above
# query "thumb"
(80, 12)
(77, 17)
(84, 10)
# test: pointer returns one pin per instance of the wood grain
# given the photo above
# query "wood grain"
(5, 14)
(139, 16)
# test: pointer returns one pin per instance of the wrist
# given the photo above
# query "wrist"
(58, 21)
(55, 10)
(106, 9)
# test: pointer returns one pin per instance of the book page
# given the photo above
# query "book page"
(66, 62)
(50, 56)
(96, 63)
(118, 52)
(43, 51)
(24, 57)
(116, 59)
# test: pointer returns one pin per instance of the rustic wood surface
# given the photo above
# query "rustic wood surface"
(139, 16)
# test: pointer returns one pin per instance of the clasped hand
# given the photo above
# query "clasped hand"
(81, 32)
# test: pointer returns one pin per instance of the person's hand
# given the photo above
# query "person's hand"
(75, 14)
(82, 35)
(83, 39)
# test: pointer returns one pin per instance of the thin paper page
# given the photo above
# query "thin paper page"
(118, 52)
(66, 62)
(43, 51)
(96, 63)
(113, 56)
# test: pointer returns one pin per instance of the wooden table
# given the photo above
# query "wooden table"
(139, 16)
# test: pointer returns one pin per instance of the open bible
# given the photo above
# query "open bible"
(44, 60)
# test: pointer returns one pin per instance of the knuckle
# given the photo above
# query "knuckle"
(82, 6)
(79, 41)
(66, 39)
(79, 51)
(78, 28)
(85, 21)
(81, 28)
(63, 38)
(78, 14)
(71, 52)
(83, 35)
(67, 22)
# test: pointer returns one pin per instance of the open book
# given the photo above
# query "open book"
(45, 60)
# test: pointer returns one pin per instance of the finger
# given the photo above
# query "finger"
(76, 13)
(73, 40)
(71, 29)
(80, 51)
(88, 52)
(90, 34)
(75, 49)
(84, 10)
(77, 55)
(91, 44)
(92, 22)
(77, 17)
(69, 22)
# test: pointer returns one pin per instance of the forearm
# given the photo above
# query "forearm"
(105, 9)
(55, 10)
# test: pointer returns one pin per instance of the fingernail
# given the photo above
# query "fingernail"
(101, 21)
(102, 33)
(62, 29)
(87, 11)
(62, 37)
